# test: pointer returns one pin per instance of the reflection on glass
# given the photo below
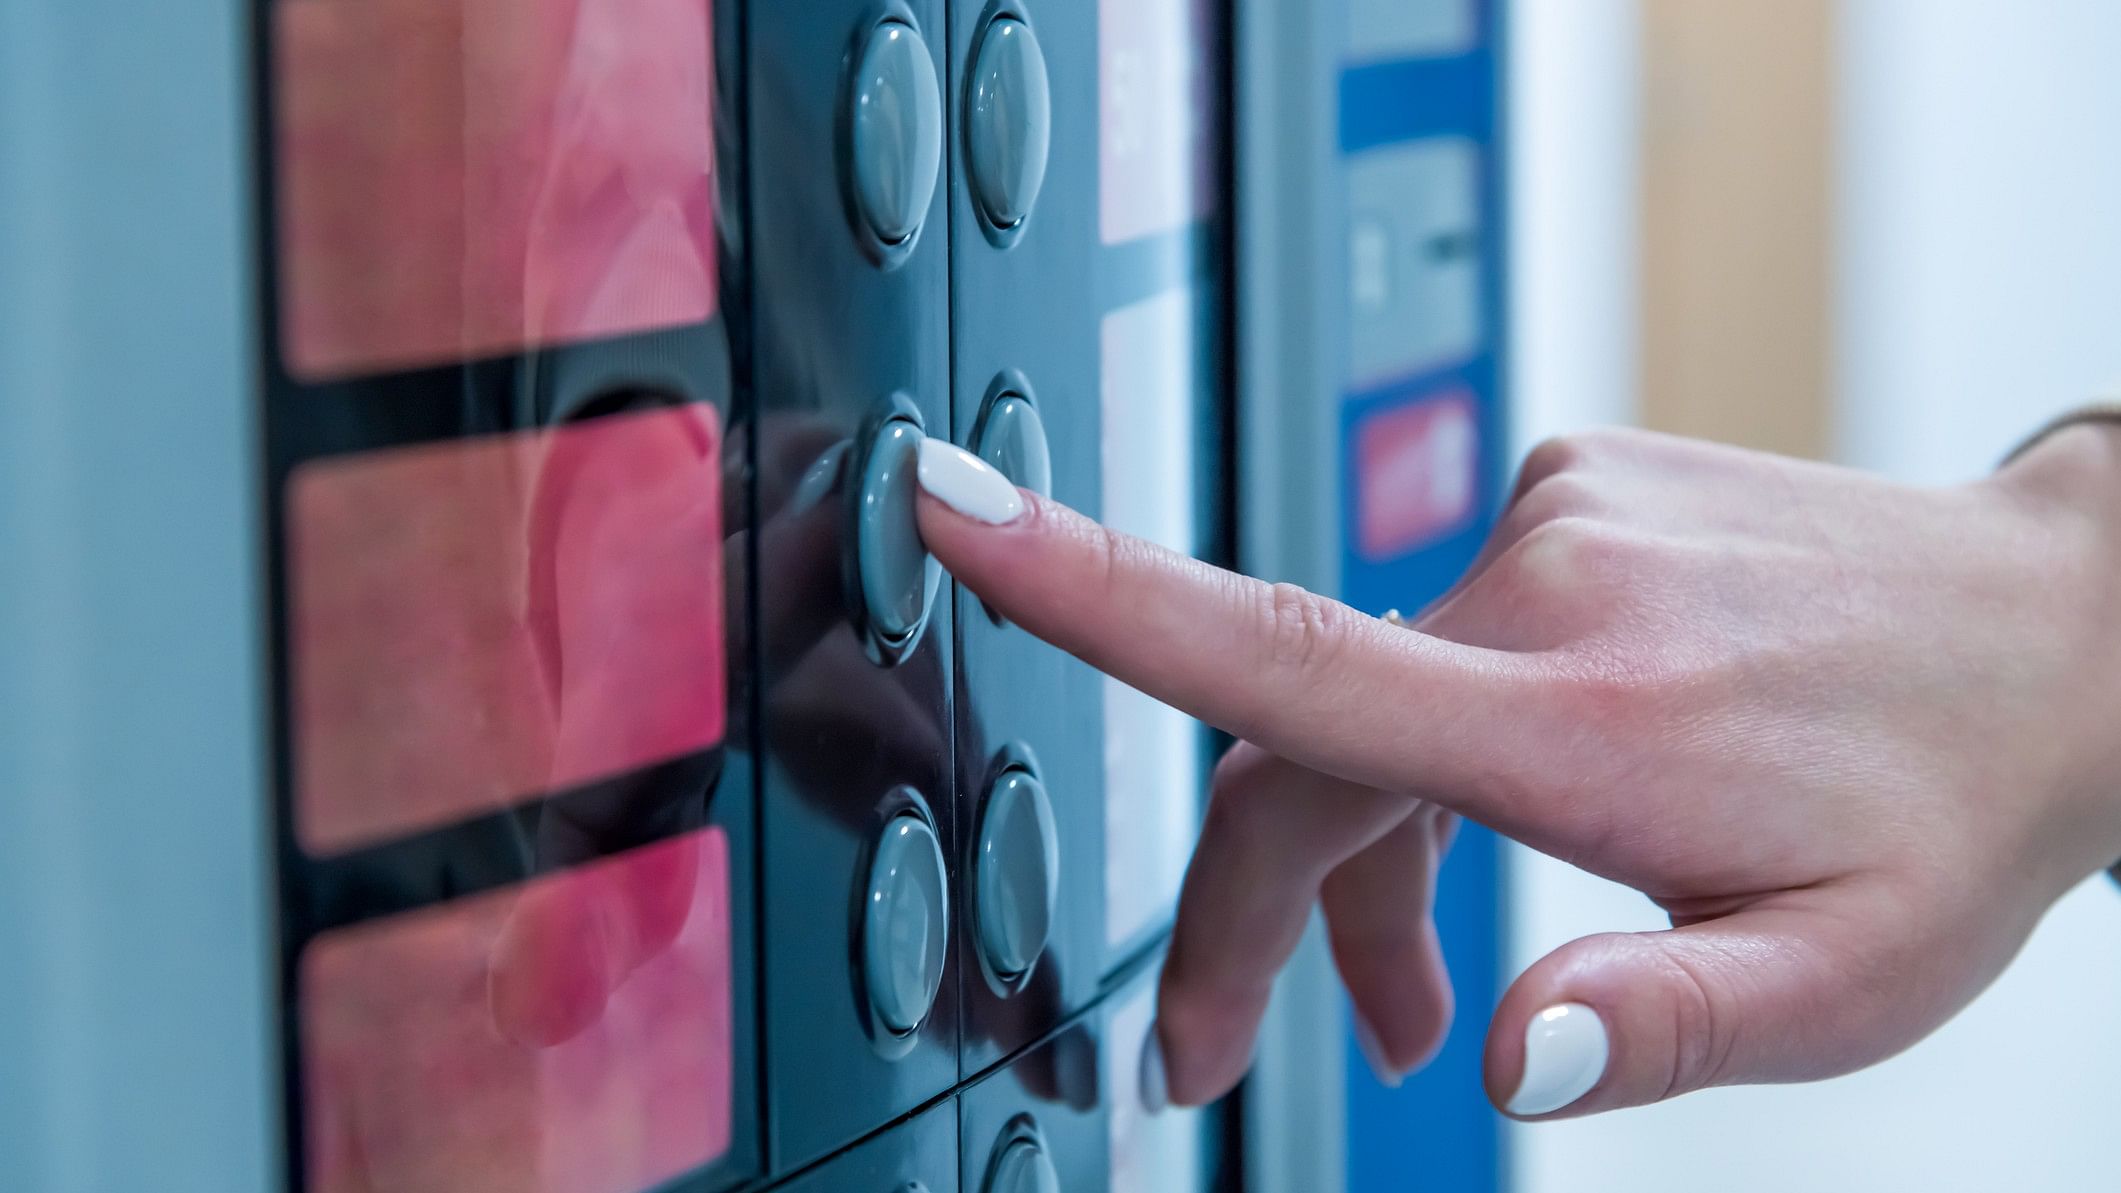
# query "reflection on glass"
(480, 621)
(1151, 376)
(1156, 99)
(571, 1035)
(460, 178)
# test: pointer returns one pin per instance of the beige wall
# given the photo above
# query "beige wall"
(1736, 229)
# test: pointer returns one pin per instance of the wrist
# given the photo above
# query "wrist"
(2067, 481)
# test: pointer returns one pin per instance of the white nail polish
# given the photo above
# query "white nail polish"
(1565, 1050)
(1366, 1039)
(1155, 1087)
(968, 484)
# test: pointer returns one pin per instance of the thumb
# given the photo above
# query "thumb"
(1767, 994)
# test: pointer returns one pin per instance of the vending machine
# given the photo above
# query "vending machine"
(479, 715)
(485, 719)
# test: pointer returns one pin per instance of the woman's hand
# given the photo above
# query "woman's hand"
(1854, 737)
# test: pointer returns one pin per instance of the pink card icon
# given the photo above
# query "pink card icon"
(475, 623)
(462, 178)
(1417, 473)
(570, 1035)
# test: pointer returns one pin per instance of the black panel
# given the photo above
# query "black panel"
(836, 335)
(1053, 1091)
(917, 1156)
(1029, 305)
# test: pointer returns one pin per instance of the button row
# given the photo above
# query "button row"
(905, 921)
(895, 126)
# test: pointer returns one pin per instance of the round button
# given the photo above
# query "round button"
(898, 577)
(1013, 439)
(1018, 873)
(898, 131)
(1023, 1167)
(905, 924)
(1010, 126)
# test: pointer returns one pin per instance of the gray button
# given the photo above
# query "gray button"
(898, 577)
(1023, 1167)
(898, 131)
(905, 924)
(1013, 439)
(1010, 125)
(1018, 873)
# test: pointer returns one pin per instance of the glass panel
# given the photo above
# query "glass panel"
(478, 621)
(570, 1035)
(462, 178)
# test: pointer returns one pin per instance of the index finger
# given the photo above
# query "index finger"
(1302, 675)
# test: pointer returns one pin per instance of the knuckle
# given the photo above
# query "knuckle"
(1300, 631)
(1703, 1029)
(1551, 457)
(1577, 556)
(1565, 494)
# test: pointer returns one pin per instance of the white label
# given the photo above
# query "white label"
(1151, 389)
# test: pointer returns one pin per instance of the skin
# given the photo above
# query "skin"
(1855, 737)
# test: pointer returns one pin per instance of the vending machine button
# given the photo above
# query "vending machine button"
(898, 578)
(1023, 1167)
(905, 924)
(897, 126)
(1009, 122)
(1012, 437)
(1017, 873)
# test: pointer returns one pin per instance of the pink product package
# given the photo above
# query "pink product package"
(1417, 473)
(460, 178)
(571, 1035)
(479, 622)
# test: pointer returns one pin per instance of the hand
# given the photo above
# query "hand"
(1854, 737)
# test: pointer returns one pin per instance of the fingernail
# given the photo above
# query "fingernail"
(1565, 1052)
(1155, 1087)
(968, 484)
(1374, 1052)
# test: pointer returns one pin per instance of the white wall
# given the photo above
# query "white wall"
(1980, 260)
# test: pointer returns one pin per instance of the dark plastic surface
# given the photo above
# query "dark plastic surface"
(919, 1156)
(1029, 313)
(836, 338)
(1051, 1098)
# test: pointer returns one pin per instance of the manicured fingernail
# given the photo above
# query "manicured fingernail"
(1565, 1052)
(819, 479)
(1366, 1039)
(968, 484)
(1155, 1087)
